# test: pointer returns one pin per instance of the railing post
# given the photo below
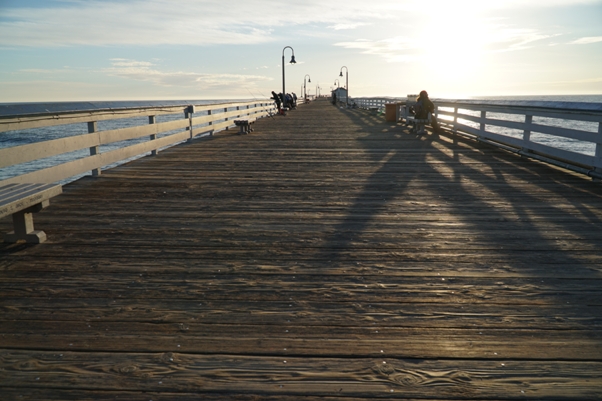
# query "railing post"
(188, 112)
(455, 128)
(209, 113)
(527, 133)
(226, 119)
(598, 159)
(94, 150)
(482, 123)
(153, 120)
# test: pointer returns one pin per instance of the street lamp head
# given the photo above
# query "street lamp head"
(293, 60)
(309, 80)
(341, 74)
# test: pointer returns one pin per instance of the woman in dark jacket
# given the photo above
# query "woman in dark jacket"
(424, 106)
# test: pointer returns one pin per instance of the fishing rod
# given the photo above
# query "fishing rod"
(269, 113)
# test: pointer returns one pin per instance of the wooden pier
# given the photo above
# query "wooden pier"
(327, 255)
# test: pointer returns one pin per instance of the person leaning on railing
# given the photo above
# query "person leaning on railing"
(277, 101)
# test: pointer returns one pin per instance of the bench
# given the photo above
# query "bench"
(21, 200)
(418, 124)
(245, 125)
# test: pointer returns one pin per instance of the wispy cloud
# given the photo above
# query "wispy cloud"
(203, 22)
(587, 40)
(538, 3)
(344, 26)
(397, 49)
(147, 71)
(451, 46)
(46, 71)
(153, 22)
(513, 39)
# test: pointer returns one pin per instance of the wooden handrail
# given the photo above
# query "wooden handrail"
(205, 119)
(516, 126)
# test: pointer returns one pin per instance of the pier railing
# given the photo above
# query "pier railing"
(568, 134)
(68, 156)
(375, 102)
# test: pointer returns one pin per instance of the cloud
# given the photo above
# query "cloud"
(146, 71)
(397, 49)
(339, 27)
(45, 71)
(540, 3)
(587, 40)
(121, 62)
(450, 44)
(190, 22)
(214, 22)
(511, 39)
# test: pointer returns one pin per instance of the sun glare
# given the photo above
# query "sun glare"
(454, 39)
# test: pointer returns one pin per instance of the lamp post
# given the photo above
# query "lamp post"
(305, 87)
(346, 83)
(292, 62)
(336, 81)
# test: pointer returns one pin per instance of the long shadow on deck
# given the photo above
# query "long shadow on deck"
(478, 210)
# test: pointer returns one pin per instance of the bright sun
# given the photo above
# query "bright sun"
(454, 39)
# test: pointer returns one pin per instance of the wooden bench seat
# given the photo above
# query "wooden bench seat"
(418, 125)
(21, 200)
(245, 125)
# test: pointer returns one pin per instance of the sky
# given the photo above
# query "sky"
(92, 50)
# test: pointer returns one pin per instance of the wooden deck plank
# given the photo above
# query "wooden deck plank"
(291, 338)
(327, 238)
(173, 372)
(445, 314)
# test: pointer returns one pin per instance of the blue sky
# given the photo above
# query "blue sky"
(61, 50)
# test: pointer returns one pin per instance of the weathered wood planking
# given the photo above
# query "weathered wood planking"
(327, 239)
(365, 377)
(301, 337)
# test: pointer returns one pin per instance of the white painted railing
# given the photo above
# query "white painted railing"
(190, 121)
(568, 134)
(374, 102)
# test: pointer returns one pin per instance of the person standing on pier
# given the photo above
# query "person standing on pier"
(294, 100)
(277, 100)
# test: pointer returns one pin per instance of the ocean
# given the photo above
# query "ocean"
(17, 138)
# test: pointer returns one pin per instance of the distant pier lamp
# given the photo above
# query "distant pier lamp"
(305, 87)
(346, 83)
(336, 82)
(292, 62)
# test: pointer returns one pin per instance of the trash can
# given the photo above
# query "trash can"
(391, 112)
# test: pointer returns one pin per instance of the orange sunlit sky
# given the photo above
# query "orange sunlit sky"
(62, 50)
